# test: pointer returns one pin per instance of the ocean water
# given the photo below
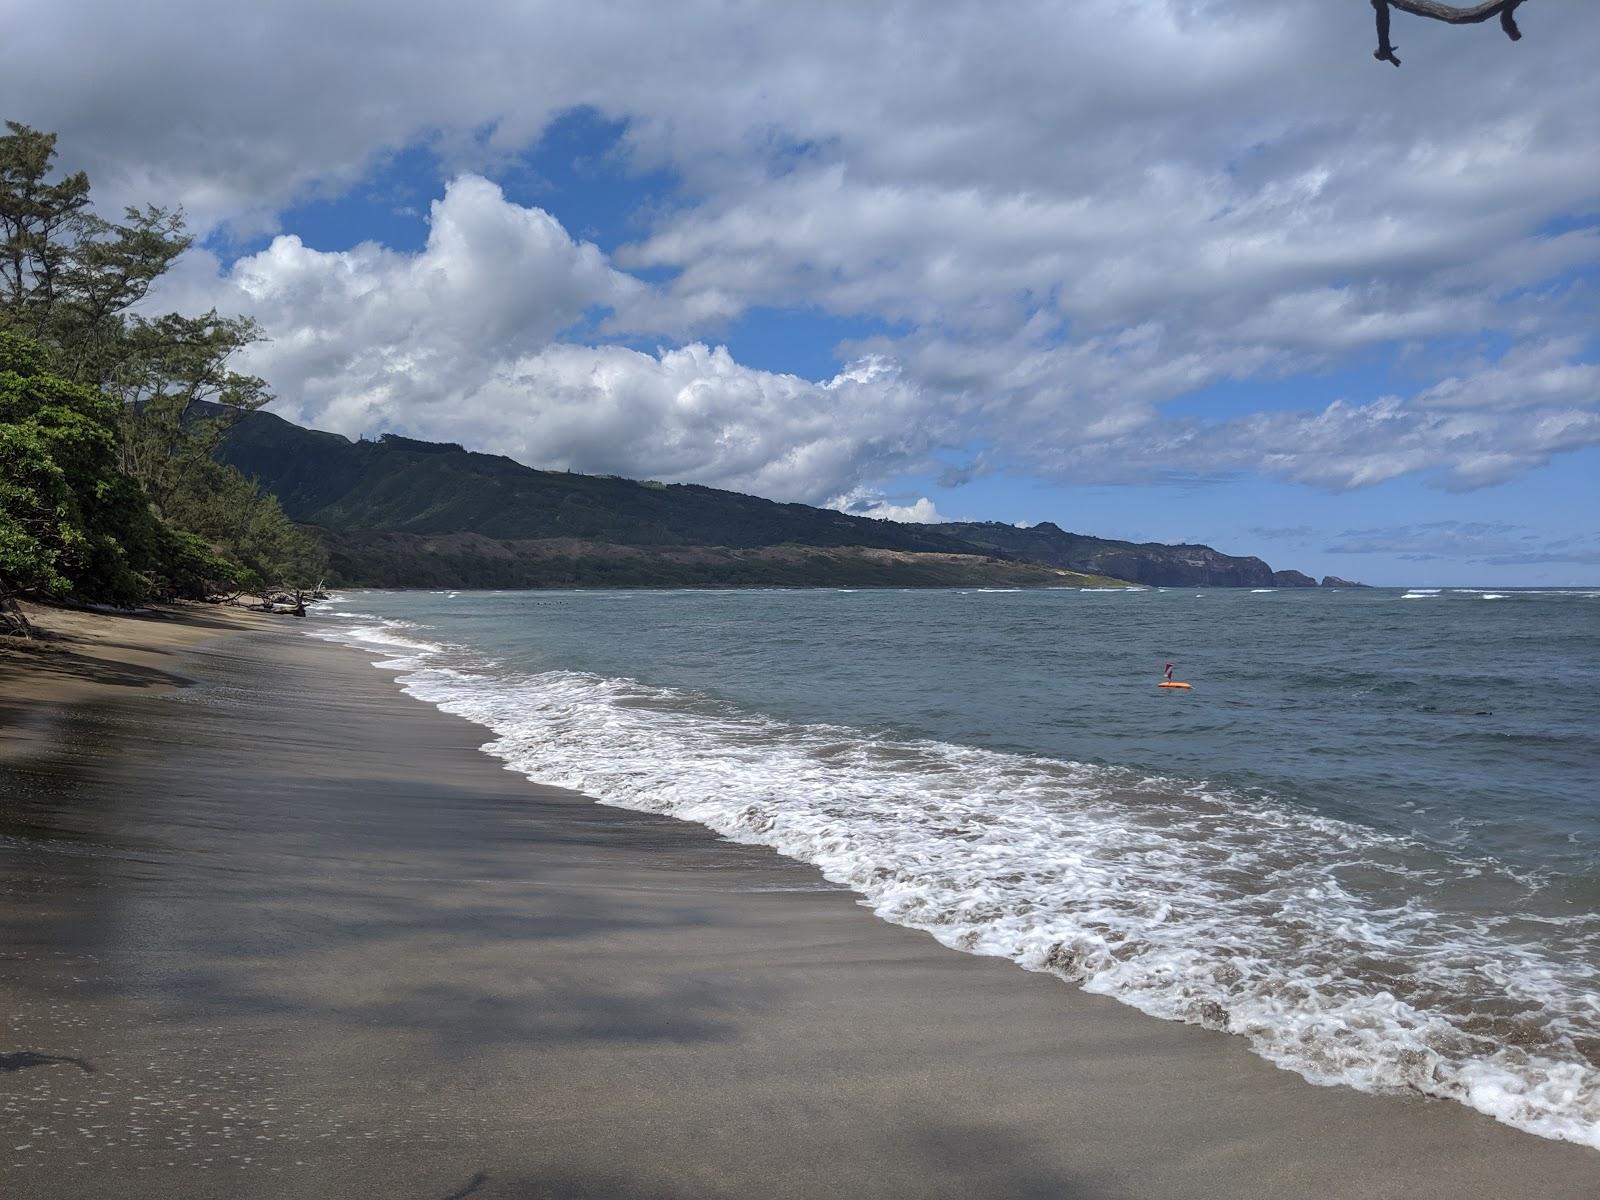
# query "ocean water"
(1367, 841)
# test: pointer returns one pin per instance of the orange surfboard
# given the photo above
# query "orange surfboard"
(1173, 684)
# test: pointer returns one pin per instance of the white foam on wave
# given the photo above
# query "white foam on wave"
(1261, 591)
(381, 636)
(1185, 902)
(1574, 593)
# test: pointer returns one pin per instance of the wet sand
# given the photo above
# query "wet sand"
(287, 933)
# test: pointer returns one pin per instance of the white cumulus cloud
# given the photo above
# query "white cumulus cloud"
(463, 341)
(867, 502)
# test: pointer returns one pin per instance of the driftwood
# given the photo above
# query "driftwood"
(1450, 14)
(13, 621)
(288, 602)
(282, 600)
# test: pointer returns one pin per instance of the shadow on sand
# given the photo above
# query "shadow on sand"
(21, 1060)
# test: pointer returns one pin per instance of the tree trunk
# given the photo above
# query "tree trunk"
(13, 621)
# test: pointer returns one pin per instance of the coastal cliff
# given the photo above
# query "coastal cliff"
(1154, 564)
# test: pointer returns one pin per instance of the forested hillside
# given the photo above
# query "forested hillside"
(399, 484)
(396, 512)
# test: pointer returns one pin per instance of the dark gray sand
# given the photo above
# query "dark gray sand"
(287, 933)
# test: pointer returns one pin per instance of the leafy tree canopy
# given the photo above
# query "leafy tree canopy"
(70, 521)
(109, 415)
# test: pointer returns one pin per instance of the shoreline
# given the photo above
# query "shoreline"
(292, 903)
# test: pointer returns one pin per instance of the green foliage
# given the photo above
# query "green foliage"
(222, 507)
(71, 521)
(108, 488)
(178, 395)
(191, 569)
(71, 279)
(73, 524)
(36, 528)
(67, 276)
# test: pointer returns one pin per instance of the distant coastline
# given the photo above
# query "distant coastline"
(398, 512)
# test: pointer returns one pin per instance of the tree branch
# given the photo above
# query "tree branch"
(1448, 13)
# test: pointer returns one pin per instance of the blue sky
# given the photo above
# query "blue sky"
(1220, 280)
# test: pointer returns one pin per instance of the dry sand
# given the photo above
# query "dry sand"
(83, 655)
(288, 933)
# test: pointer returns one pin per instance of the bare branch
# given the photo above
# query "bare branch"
(12, 619)
(1450, 14)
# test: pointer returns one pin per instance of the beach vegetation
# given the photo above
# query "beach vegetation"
(110, 415)
(71, 523)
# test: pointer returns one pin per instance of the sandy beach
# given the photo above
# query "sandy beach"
(268, 927)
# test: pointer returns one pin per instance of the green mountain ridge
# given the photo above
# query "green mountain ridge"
(402, 485)
(398, 512)
(389, 559)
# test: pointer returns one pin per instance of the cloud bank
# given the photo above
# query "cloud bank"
(1065, 218)
(1496, 543)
